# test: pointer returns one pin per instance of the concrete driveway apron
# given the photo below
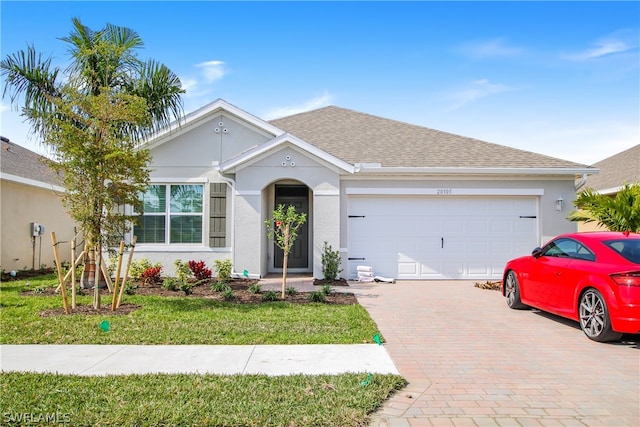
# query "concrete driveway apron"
(472, 361)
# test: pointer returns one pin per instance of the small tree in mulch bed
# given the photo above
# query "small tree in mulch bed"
(283, 230)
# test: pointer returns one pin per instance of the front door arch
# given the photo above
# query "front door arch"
(298, 196)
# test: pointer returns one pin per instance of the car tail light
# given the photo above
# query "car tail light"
(627, 279)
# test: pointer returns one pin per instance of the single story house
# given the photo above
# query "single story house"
(31, 208)
(615, 171)
(409, 201)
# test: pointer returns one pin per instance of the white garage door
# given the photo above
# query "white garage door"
(422, 237)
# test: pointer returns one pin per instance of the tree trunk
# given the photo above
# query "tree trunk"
(284, 272)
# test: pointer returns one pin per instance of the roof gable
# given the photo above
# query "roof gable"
(208, 112)
(363, 138)
(258, 152)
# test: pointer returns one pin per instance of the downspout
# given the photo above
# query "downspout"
(582, 182)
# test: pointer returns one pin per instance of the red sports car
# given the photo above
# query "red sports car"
(590, 277)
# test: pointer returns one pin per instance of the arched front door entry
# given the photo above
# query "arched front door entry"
(298, 196)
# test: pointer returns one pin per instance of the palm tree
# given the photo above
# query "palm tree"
(619, 213)
(101, 60)
(93, 115)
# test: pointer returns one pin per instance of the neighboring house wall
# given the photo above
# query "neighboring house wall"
(22, 205)
(29, 194)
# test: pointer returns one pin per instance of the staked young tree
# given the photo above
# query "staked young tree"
(283, 230)
(93, 116)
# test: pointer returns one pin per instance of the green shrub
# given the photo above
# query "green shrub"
(171, 283)
(220, 287)
(186, 287)
(291, 290)
(326, 289)
(255, 289)
(270, 296)
(223, 269)
(183, 272)
(227, 294)
(130, 288)
(317, 296)
(330, 262)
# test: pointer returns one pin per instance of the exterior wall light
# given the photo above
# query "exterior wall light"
(559, 203)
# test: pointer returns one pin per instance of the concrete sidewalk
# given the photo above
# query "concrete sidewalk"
(201, 359)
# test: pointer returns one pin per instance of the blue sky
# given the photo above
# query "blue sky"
(556, 78)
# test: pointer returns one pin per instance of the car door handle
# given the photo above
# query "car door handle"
(442, 242)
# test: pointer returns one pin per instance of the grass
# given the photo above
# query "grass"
(186, 399)
(195, 400)
(179, 320)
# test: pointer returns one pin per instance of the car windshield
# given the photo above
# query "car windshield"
(627, 248)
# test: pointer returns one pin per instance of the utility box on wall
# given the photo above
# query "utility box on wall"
(36, 229)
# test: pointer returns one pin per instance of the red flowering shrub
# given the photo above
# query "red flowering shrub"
(199, 270)
(151, 275)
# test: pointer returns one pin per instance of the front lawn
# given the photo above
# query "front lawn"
(193, 400)
(186, 399)
(177, 320)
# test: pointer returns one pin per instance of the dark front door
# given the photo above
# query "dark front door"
(298, 196)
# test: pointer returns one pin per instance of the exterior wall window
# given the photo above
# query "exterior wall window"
(172, 213)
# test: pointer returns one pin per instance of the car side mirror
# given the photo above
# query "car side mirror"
(537, 252)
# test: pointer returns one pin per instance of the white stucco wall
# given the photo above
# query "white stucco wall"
(254, 202)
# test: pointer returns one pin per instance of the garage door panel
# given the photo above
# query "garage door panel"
(432, 237)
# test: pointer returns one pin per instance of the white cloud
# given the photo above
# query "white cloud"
(476, 90)
(312, 104)
(199, 85)
(4, 107)
(615, 43)
(489, 49)
(212, 70)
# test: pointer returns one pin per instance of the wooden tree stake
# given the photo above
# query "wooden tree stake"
(65, 303)
(73, 273)
(114, 298)
(126, 271)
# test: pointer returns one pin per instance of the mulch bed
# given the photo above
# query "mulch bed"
(240, 288)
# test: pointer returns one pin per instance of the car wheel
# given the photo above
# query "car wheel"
(512, 291)
(594, 317)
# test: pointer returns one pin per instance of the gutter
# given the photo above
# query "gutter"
(366, 168)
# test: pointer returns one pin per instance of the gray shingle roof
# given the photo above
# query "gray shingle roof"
(363, 138)
(617, 169)
(19, 161)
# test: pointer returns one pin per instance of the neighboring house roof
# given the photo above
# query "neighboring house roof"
(616, 170)
(22, 165)
(363, 138)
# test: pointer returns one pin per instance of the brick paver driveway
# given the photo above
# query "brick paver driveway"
(472, 361)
